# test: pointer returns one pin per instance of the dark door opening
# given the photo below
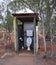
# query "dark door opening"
(20, 37)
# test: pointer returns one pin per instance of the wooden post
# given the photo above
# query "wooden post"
(14, 24)
(34, 36)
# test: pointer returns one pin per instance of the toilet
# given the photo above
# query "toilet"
(29, 34)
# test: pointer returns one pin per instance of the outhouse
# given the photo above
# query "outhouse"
(26, 32)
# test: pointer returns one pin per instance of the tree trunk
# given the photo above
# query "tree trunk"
(44, 40)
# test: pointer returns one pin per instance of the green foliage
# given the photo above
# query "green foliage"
(1, 17)
(1, 35)
(9, 22)
(1, 26)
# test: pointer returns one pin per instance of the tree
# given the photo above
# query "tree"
(9, 22)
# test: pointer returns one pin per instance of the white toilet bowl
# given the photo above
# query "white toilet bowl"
(28, 43)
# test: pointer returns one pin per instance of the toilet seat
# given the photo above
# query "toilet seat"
(28, 41)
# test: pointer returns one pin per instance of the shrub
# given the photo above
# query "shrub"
(1, 35)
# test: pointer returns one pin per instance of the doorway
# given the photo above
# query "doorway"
(22, 48)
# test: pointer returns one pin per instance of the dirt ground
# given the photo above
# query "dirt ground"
(27, 59)
(17, 59)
